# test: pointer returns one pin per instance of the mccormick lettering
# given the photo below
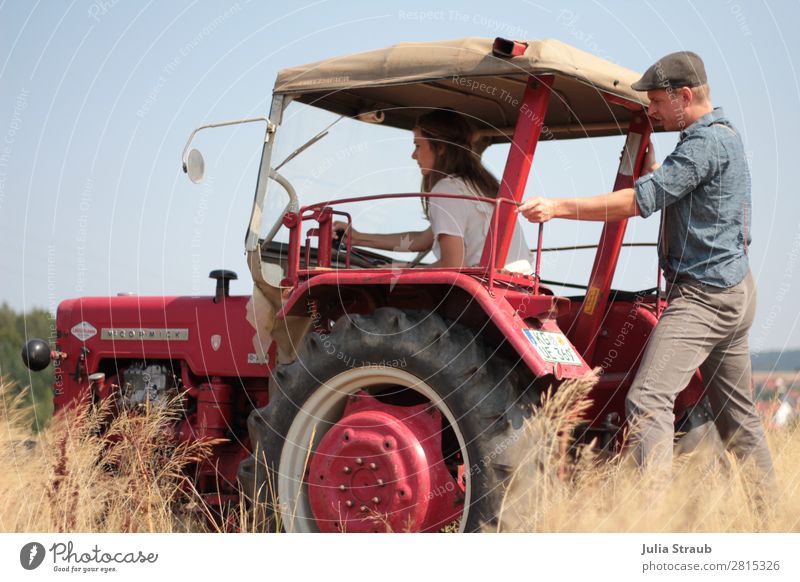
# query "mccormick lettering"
(141, 334)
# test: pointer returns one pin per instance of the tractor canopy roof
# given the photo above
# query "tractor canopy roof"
(591, 96)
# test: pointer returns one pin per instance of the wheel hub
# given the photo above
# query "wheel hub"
(380, 468)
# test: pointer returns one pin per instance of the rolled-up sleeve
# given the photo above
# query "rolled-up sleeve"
(645, 195)
(681, 173)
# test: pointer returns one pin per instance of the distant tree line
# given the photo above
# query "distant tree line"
(777, 361)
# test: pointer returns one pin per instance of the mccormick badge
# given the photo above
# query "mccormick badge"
(83, 330)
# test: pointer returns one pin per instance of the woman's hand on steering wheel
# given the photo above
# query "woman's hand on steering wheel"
(341, 230)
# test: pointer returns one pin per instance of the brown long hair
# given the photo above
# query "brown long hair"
(450, 136)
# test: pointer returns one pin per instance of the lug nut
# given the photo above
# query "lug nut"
(347, 470)
(348, 503)
(376, 500)
(380, 482)
(363, 508)
(359, 461)
(342, 487)
(373, 466)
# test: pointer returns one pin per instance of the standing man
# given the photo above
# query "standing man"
(703, 192)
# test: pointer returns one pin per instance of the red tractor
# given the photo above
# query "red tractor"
(353, 394)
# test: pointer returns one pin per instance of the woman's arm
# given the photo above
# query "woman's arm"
(452, 249)
(399, 241)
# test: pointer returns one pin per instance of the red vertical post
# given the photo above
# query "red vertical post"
(294, 223)
(325, 238)
(590, 318)
(537, 271)
(518, 165)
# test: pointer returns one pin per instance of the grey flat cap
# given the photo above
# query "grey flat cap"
(681, 69)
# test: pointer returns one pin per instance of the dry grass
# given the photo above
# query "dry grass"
(67, 478)
(258, 511)
(703, 494)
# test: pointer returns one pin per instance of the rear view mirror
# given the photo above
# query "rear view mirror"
(195, 166)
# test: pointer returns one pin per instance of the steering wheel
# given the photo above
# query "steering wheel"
(372, 259)
(418, 259)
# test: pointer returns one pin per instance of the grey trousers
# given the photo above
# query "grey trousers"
(702, 327)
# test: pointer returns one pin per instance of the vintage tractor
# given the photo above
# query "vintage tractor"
(353, 394)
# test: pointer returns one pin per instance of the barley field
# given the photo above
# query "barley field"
(69, 478)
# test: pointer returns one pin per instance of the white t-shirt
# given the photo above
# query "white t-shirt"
(470, 221)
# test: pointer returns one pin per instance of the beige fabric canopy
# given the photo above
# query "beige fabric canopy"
(406, 79)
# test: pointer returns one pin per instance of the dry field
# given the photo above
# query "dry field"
(67, 478)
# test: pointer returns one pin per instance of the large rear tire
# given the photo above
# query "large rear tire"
(402, 359)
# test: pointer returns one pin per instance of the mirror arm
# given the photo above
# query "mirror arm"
(185, 154)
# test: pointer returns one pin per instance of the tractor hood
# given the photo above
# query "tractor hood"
(214, 339)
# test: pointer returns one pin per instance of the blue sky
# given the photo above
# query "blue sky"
(98, 98)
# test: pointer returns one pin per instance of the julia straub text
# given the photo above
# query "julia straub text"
(674, 549)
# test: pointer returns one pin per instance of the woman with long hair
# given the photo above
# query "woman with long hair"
(458, 230)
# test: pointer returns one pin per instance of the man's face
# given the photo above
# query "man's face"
(667, 108)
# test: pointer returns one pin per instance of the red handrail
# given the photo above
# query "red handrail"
(322, 213)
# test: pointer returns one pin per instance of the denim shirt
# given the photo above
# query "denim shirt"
(703, 191)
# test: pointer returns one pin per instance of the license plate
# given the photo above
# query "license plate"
(552, 346)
